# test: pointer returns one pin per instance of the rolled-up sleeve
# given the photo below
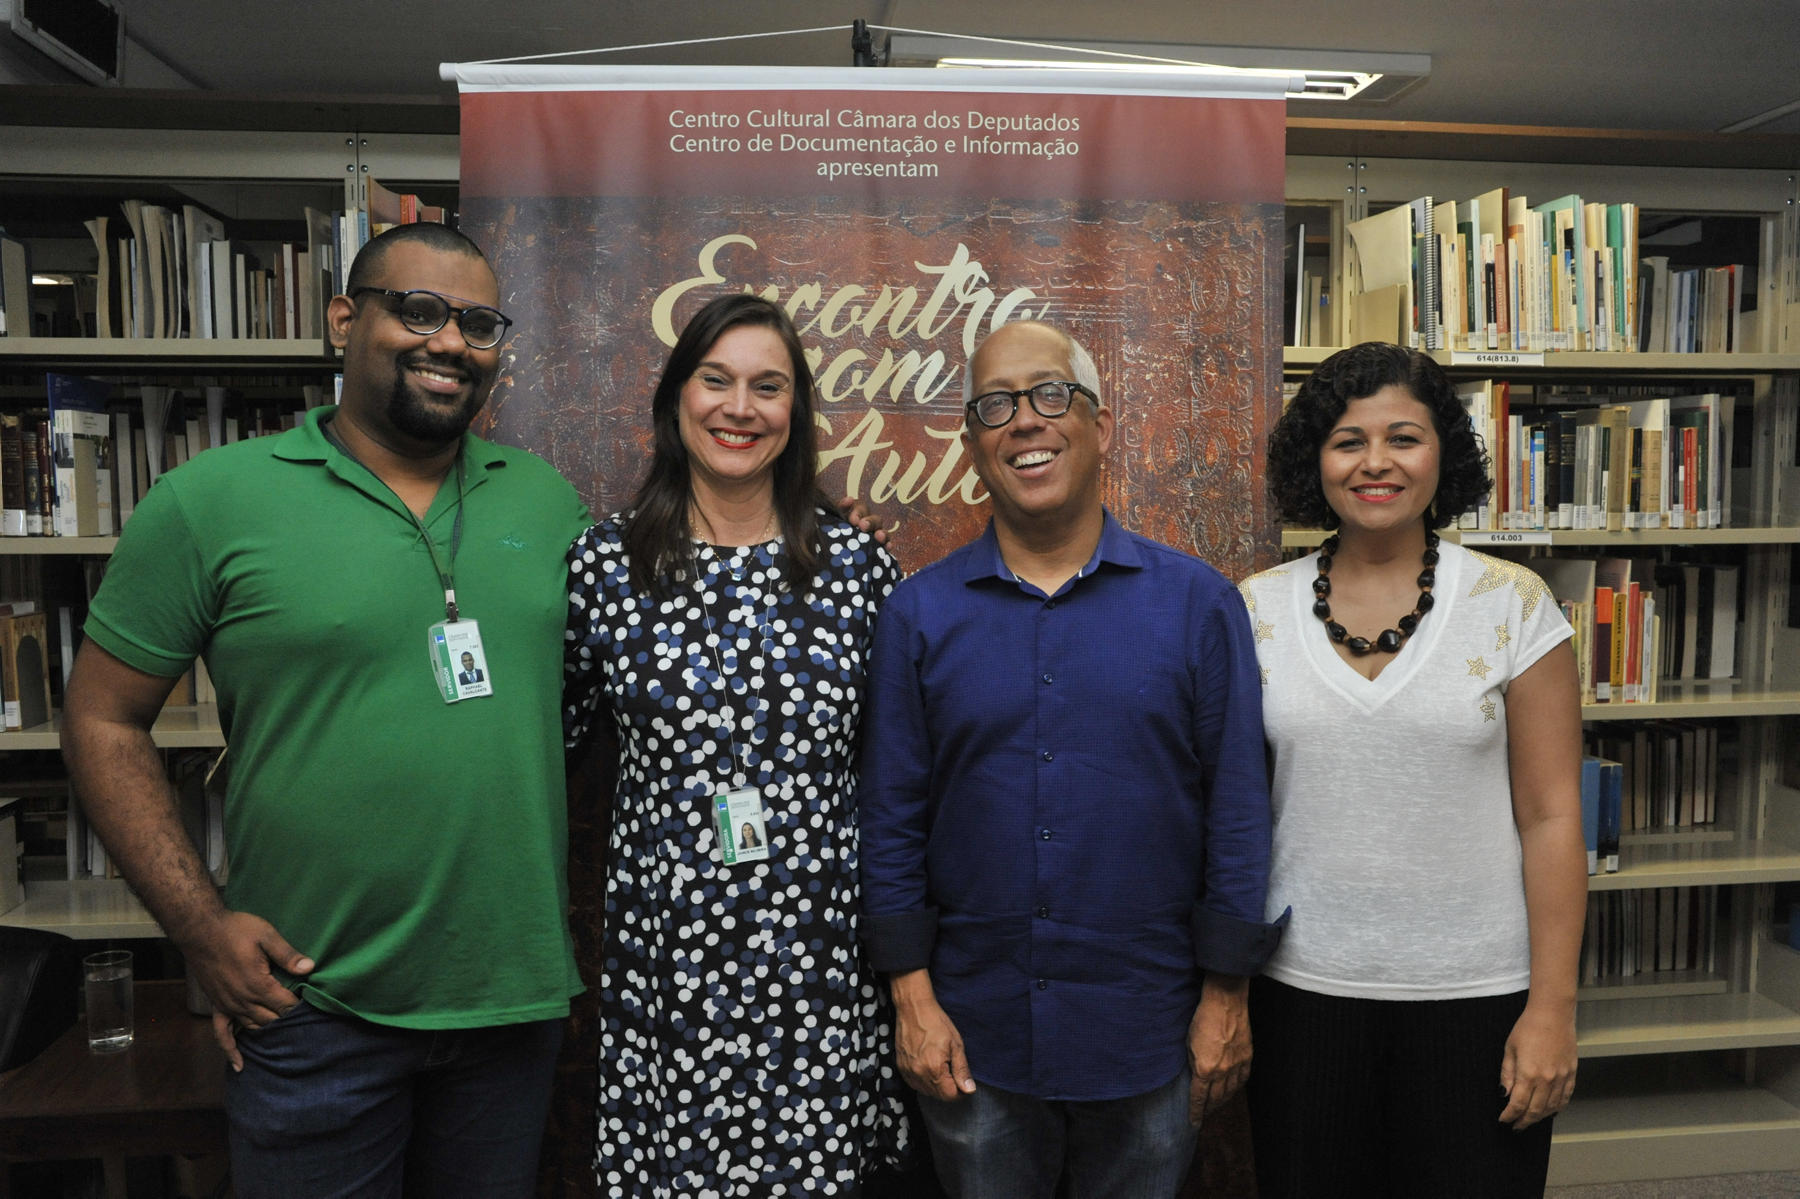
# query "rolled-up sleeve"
(1230, 934)
(899, 924)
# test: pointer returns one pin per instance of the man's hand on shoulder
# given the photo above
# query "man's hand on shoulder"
(928, 1049)
(232, 960)
(1218, 1045)
(858, 514)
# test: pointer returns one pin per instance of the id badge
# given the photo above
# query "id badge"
(458, 665)
(743, 837)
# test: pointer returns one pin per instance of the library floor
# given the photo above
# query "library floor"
(1780, 1185)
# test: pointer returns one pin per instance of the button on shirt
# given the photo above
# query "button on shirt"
(1064, 809)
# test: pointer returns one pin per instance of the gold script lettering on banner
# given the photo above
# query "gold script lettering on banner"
(960, 292)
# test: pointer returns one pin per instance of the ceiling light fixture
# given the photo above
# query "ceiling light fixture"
(1315, 74)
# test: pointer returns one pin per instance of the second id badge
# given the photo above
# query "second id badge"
(458, 665)
(738, 816)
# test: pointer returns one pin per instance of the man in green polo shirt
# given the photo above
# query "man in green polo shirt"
(390, 962)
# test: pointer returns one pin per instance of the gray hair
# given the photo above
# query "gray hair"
(1080, 362)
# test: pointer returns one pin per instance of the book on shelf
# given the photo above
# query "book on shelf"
(25, 669)
(1668, 774)
(1381, 271)
(1566, 253)
(1612, 796)
(24, 466)
(156, 401)
(1427, 276)
(1590, 811)
(1643, 623)
(1499, 273)
(81, 437)
(199, 777)
(199, 785)
(1489, 220)
(388, 208)
(1294, 250)
(15, 287)
(109, 310)
(202, 230)
(1637, 934)
(127, 452)
(40, 807)
(12, 854)
(1585, 460)
(1602, 795)
(180, 271)
(13, 475)
(1699, 637)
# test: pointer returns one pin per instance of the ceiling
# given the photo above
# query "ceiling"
(1637, 64)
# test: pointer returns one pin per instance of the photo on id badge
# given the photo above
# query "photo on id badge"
(458, 660)
(738, 816)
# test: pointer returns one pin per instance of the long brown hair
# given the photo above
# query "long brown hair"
(657, 538)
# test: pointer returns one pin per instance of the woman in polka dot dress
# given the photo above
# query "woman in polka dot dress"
(719, 631)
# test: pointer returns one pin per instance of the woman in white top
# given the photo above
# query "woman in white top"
(1415, 1032)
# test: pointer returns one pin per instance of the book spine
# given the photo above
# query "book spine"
(1603, 645)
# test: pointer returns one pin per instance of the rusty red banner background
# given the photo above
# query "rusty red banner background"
(897, 228)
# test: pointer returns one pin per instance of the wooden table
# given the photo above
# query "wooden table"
(164, 1095)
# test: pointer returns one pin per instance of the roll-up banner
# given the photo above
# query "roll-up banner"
(899, 215)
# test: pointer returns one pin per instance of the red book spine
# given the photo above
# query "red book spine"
(1603, 644)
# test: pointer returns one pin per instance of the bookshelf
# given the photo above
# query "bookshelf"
(179, 726)
(1622, 540)
(257, 163)
(94, 909)
(119, 352)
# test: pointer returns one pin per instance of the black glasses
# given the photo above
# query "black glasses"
(996, 408)
(425, 312)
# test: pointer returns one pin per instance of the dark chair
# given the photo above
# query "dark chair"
(39, 977)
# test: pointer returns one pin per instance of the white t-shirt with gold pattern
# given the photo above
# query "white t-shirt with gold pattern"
(1394, 838)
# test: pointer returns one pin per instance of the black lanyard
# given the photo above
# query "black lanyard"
(446, 577)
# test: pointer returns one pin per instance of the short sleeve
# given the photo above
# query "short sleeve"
(158, 603)
(1541, 624)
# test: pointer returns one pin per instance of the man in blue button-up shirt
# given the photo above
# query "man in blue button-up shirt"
(1065, 816)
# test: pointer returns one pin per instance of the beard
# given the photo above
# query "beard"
(427, 421)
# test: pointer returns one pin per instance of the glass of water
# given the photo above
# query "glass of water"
(106, 986)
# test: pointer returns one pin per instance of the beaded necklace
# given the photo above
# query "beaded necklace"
(1390, 640)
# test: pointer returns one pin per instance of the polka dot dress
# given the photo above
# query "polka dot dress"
(743, 1051)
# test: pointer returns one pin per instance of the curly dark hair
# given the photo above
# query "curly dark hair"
(1354, 374)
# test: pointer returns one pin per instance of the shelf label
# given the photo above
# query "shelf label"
(1504, 537)
(1495, 358)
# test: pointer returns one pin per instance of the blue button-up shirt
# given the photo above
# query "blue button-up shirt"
(1065, 810)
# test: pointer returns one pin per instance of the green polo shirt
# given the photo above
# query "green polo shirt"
(416, 850)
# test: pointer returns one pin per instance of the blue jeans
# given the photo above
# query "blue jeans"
(331, 1106)
(995, 1144)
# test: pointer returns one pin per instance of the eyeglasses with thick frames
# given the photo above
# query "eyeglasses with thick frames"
(425, 312)
(995, 409)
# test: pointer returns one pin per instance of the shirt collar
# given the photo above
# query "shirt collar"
(1116, 548)
(306, 442)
